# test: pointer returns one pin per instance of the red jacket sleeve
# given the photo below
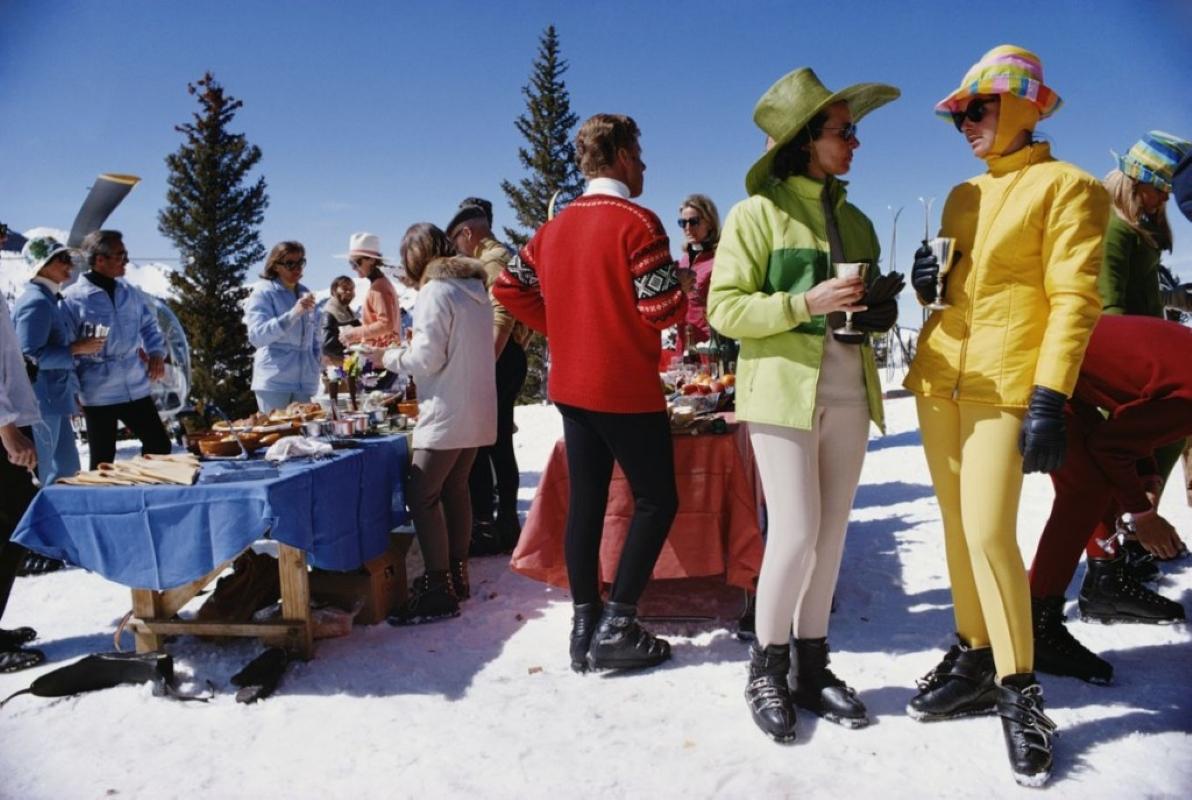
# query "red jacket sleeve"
(517, 289)
(660, 301)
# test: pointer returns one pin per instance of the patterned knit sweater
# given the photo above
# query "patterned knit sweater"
(599, 281)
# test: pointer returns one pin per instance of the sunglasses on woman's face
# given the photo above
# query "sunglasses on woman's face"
(974, 113)
(686, 223)
(64, 258)
(848, 131)
(292, 265)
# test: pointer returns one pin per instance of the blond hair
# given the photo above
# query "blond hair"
(703, 205)
(1123, 193)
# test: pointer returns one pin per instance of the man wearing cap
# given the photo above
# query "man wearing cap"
(114, 381)
(18, 459)
(381, 315)
(470, 230)
(599, 280)
(44, 332)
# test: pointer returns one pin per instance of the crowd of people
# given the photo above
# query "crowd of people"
(1048, 353)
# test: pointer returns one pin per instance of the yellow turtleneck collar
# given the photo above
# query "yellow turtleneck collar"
(1031, 154)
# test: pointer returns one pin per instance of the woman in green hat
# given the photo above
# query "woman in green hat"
(808, 398)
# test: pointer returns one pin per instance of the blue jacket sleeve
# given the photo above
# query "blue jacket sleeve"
(264, 328)
(34, 323)
(151, 337)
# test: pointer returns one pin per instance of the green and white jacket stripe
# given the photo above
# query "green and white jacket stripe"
(773, 249)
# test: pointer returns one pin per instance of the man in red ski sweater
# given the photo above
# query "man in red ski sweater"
(1134, 394)
(599, 281)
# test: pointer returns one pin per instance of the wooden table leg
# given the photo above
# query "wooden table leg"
(146, 604)
(295, 595)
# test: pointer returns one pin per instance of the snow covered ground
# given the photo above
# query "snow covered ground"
(485, 706)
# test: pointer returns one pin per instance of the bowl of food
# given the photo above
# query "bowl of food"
(698, 403)
(224, 447)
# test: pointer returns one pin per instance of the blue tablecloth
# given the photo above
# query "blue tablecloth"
(339, 510)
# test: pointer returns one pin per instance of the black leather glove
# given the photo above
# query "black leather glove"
(1043, 436)
(924, 273)
(877, 318)
(31, 369)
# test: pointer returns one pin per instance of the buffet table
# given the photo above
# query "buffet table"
(167, 542)
(716, 530)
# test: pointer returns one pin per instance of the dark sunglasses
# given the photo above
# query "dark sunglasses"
(974, 113)
(847, 131)
(684, 223)
(64, 258)
(299, 264)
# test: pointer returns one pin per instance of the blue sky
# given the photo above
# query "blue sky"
(373, 116)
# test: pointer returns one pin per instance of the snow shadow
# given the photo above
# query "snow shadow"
(441, 658)
(875, 612)
(870, 495)
(911, 438)
(1149, 681)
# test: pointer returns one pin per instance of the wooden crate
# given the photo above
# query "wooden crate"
(381, 583)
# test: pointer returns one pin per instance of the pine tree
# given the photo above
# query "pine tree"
(546, 126)
(550, 159)
(212, 216)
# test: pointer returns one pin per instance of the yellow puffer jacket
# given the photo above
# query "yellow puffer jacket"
(1024, 292)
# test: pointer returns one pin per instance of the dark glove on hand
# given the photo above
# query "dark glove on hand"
(877, 318)
(1043, 436)
(924, 273)
(31, 369)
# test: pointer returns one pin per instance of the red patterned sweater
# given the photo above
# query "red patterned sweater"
(599, 281)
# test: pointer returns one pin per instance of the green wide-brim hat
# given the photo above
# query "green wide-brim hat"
(794, 100)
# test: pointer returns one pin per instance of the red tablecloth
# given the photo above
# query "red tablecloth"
(716, 531)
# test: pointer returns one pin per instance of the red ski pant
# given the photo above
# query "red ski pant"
(1083, 515)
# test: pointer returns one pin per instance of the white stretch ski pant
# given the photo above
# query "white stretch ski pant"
(810, 478)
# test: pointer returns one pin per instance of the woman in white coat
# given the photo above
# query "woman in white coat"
(451, 357)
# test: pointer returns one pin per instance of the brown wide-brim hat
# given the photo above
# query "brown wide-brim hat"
(793, 101)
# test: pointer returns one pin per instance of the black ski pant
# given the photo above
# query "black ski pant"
(16, 493)
(139, 416)
(499, 458)
(641, 445)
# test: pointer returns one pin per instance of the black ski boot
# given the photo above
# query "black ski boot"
(584, 618)
(507, 530)
(1027, 729)
(1109, 594)
(485, 541)
(459, 579)
(1057, 652)
(767, 692)
(747, 622)
(962, 685)
(1140, 565)
(621, 643)
(431, 599)
(819, 691)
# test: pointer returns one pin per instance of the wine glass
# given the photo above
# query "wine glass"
(849, 269)
(942, 248)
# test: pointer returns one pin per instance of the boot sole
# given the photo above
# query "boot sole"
(1114, 619)
(852, 723)
(603, 666)
(923, 716)
(1035, 781)
(421, 619)
(779, 739)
